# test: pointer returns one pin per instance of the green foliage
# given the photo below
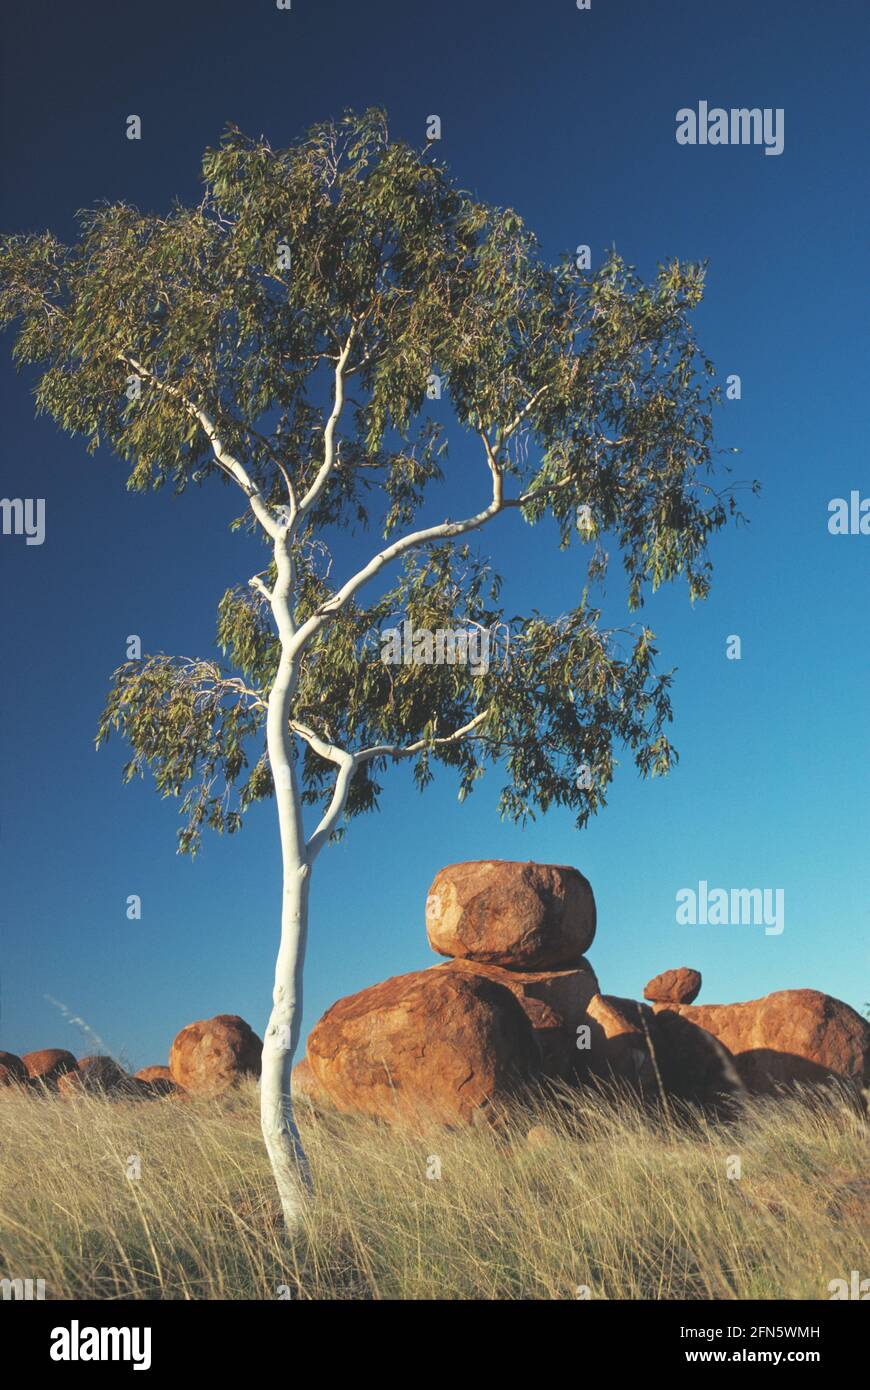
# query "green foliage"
(189, 723)
(590, 389)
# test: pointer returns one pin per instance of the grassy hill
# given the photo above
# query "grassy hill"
(602, 1195)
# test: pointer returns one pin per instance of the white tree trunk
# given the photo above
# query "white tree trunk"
(286, 1154)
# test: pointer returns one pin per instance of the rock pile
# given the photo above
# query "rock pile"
(794, 1035)
(54, 1070)
(455, 1040)
(206, 1059)
(517, 1001)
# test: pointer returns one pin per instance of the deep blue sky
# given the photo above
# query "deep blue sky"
(569, 117)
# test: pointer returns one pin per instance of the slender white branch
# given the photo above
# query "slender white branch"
(443, 531)
(292, 497)
(237, 687)
(495, 470)
(291, 489)
(391, 750)
(347, 766)
(335, 809)
(326, 467)
(227, 461)
(326, 750)
(520, 417)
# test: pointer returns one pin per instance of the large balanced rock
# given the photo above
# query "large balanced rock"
(520, 916)
(793, 1035)
(48, 1064)
(680, 986)
(435, 1044)
(13, 1072)
(210, 1056)
(554, 1002)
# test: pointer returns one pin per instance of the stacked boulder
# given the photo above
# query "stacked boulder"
(454, 1041)
(525, 927)
(517, 1001)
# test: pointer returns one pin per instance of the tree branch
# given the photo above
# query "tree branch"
(228, 463)
(326, 467)
(349, 762)
(444, 531)
(288, 481)
(330, 751)
(347, 765)
(520, 417)
(390, 750)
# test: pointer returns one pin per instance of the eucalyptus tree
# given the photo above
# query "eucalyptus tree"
(287, 336)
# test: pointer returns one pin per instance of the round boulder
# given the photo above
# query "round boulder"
(432, 1045)
(554, 1002)
(48, 1064)
(153, 1074)
(13, 1072)
(519, 916)
(680, 986)
(210, 1056)
(158, 1080)
(101, 1074)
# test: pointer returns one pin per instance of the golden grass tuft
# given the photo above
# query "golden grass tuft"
(605, 1195)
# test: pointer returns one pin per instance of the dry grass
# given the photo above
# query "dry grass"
(628, 1204)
